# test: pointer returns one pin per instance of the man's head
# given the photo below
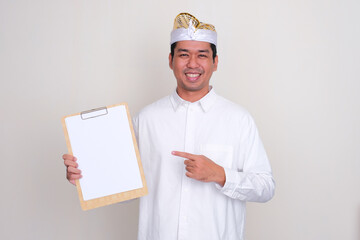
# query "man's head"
(193, 57)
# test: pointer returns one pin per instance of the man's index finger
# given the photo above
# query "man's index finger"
(184, 155)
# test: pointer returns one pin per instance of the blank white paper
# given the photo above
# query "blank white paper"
(106, 155)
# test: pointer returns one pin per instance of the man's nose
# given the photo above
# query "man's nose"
(192, 63)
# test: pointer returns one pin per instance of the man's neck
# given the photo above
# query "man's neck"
(192, 96)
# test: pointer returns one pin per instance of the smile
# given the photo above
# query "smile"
(192, 76)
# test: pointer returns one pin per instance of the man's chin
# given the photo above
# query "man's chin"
(195, 88)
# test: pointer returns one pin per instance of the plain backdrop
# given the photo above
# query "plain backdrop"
(293, 64)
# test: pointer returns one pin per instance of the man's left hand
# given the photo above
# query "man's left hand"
(201, 168)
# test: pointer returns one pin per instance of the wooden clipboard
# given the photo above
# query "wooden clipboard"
(104, 143)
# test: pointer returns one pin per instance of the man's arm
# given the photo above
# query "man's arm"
(250, 179)
(249, 186)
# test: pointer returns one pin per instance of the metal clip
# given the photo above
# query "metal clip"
(96, 112)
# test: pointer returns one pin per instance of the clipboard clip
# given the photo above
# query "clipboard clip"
(93, 113)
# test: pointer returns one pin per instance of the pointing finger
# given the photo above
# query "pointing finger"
(183, 154)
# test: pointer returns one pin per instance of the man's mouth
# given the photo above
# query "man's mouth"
(192, 76)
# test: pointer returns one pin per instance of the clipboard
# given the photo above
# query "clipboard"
(104, 143)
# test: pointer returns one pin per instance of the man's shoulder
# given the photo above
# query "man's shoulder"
(234, 113)
(160, 105)
(231, 107)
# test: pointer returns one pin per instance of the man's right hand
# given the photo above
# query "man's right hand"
(72, 171)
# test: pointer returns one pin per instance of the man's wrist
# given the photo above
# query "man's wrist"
(221, 177)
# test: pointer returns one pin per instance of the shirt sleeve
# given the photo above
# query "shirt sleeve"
(135, 121)
(252, 187)
(252, 180)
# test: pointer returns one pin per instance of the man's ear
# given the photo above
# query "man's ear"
(170, 61)
(215, 63)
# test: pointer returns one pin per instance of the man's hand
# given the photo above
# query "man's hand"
(72, 171)
(202, 168)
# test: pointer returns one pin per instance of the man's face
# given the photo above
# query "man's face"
(193, 66)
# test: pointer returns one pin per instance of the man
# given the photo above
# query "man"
(202, 155)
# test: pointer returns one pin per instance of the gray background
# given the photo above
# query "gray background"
(293, 64)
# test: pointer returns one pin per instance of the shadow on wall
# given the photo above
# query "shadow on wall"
(359, 225)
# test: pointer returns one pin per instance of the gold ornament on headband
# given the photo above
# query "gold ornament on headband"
(188, 27)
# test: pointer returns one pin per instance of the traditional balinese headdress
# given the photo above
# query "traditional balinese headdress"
(187, 27)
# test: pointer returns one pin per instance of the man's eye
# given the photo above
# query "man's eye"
(183, 55)
(203, 56)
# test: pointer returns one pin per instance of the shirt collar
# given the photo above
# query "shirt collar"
(205, 102)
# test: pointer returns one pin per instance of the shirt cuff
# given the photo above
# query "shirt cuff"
(231, 181)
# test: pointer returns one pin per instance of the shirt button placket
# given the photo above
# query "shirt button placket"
(185, 194)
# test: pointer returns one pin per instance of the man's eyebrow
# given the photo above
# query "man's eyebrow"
(207, 51)
(187, 50)
(182, 50)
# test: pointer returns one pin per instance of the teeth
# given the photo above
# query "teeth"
(192, 75)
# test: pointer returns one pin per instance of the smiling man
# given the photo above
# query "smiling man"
(202, 155)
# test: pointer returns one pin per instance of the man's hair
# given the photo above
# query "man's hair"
(213, 48)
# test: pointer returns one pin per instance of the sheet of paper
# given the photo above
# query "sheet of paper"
(106, 156)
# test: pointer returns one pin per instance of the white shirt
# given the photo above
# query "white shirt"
(178, 207)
